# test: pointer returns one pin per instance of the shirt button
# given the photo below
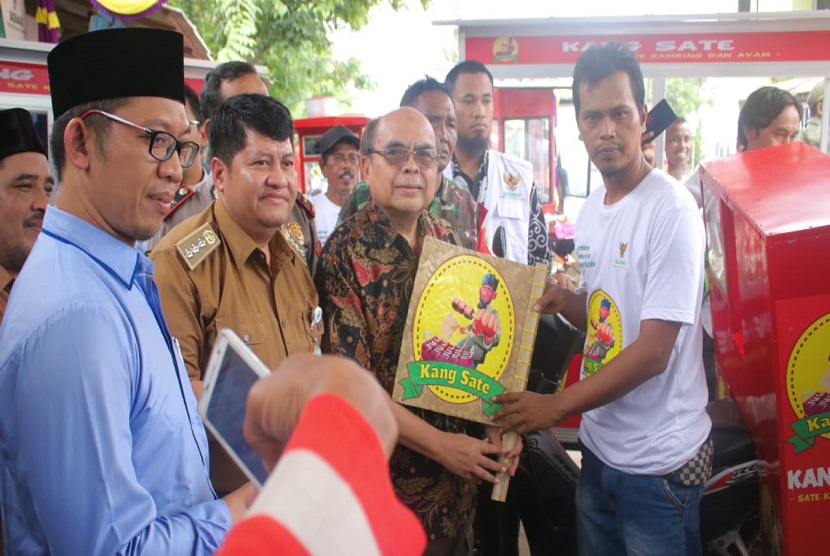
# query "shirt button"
(284, 323)
(246, 337)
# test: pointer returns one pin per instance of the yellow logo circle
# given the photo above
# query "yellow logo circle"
(448, 316)
(506, 49)
(604, 328)
(808, 371)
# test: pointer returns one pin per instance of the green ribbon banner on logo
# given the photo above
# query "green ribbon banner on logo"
(807, 429)
(450, 375)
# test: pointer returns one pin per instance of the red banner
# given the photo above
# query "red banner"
(31, 79)
(675, 48)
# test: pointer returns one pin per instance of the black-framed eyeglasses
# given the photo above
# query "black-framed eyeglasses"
(162, 143)
(398, 156)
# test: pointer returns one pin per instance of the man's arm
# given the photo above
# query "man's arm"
(538, 247)
(70, 443)
(563, 300)
(641, 360)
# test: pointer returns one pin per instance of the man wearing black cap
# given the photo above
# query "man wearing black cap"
(25, 186)
(339, 163)
(104, 451)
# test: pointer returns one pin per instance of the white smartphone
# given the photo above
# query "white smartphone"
(232, 370)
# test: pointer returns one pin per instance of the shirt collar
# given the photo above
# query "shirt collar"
(473, 182)
(242, 246)
(6, 278)
(116, 257)
(239, 243)
(379, 231)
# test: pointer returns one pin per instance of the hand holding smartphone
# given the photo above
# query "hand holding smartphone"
(659, 119)
(232, 371)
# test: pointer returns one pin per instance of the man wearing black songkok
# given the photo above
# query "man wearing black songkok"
(25, 186)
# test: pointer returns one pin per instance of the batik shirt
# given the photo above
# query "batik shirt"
(365, 280)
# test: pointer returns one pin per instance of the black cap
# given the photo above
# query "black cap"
(116, 63)
(18, 133)
(335, 135)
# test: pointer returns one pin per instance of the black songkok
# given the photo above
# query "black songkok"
(116, 63)
(18, 134)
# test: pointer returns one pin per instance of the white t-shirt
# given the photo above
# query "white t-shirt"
(642, 258)
(325, 215)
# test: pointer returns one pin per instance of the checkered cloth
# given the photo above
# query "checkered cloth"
(697, 470)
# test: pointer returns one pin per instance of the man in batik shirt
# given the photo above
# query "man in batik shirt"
(365, 280)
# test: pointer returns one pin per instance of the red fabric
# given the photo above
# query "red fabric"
(481, 246)
(261, 535)
(358, 458)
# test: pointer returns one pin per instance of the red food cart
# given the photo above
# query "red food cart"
(767, 216)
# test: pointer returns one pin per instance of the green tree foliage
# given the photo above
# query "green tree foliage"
(686, 96)
(290, 38)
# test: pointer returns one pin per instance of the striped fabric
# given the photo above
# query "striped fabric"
(329, 494)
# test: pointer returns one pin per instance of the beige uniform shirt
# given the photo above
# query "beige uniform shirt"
(6, 282)
(230, 286)
(269, 306)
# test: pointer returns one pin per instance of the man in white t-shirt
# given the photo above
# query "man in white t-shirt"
(645, 441)
(339, 163)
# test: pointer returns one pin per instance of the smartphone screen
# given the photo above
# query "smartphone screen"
(225, 413)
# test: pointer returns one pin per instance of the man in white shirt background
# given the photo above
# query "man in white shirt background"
(339, 163)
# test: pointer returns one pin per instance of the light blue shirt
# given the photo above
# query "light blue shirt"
(101, 448)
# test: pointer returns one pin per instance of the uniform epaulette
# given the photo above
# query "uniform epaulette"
(183, 194)
(198, 245)
(305, 203)
(293, 234)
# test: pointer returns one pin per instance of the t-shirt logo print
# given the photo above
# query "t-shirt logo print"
(604, 332)
(619, 262)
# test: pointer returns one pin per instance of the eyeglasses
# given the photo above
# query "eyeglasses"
(162, 143)
(398, 156)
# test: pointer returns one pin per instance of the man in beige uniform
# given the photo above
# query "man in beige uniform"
(237, 78)
(25, 186)
(229, 266)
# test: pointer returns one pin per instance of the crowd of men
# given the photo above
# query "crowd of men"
(103, 349)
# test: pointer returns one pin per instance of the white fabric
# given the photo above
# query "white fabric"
(693, 184)
(644, 254)
(507, 203)
(304, 484)
(325, 215)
